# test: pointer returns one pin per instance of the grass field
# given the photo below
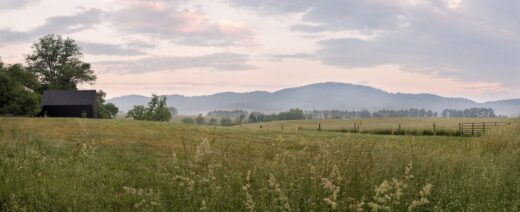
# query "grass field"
(79, 164)
(377, 123)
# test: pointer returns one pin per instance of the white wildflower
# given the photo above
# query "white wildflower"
(129, 190)
(202, 150)
(249, 202)
(424, 193)
(281, 200)
(331, 184)
(185, 182)
(203, 206)
(408, 172)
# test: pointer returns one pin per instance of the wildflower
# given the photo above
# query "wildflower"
(330, 184)
(249, 203)
(185, 181)
(84, 150)
(334, 174)
(313, 172)
(387, 194)
(203, 149)
(331, 203)
(130, 190)
(358, 207)
(281, 200)
(203, 206)
(139, 204)
(407, 172)
(424, 193)
(175, 161)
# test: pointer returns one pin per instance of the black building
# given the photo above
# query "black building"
(69, 103)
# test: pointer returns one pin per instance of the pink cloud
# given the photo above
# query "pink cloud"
(188, 26)
(236, 30)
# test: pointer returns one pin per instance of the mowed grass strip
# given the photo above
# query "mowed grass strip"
(79, 164)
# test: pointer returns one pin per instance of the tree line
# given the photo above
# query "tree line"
(412, 112)
(238, 117)
(469, 113)
(344, 114)
(54, 64)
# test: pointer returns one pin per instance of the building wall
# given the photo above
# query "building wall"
(78, 111)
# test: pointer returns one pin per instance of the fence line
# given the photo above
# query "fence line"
(478, 128)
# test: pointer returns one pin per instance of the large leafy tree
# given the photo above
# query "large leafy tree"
(16, 95)
(57, 63)
(106, 110)
(157, 110)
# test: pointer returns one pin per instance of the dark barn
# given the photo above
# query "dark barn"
(69, 103)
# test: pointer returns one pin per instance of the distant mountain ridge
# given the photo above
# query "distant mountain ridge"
(320, 96)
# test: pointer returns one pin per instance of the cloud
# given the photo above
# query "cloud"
(15, 4)
(139, 44)
(332, 15)
(470, 40)
(218, 61)
(283, 57)
(188, 27)
(109, 49)
(56, 25)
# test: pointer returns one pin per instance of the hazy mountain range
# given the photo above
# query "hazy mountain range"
(320, 96)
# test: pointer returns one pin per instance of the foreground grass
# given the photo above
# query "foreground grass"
(75, 164)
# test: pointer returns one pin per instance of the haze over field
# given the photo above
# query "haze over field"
(322, 96)
(454, 48)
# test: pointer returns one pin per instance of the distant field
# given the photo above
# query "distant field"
(79, 164)
(375, 123)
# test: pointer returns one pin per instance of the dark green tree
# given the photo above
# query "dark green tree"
(212, 121)
(173, 111)
(188, 120)
(105, 110)
(137, 113)
(226, 121)
(200, 119)
(16, 95)
(157, 110)
(57, 63)
(292, 114)
(240, 119)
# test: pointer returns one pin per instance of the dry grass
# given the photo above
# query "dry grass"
(75, 164)
(375, 123)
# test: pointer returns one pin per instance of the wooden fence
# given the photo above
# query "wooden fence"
(479, 128)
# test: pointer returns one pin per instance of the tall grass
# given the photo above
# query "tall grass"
(73, 164)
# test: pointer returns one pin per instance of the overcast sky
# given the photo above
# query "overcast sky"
(462, 48)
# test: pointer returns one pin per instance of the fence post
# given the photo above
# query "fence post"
(460, 129)
(472, 128)
(319, 126)
(483, 127)
(434, 129)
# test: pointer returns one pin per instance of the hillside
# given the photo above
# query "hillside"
(319, 96)
(510, 106)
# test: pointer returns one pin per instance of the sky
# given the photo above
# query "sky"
(455, 48)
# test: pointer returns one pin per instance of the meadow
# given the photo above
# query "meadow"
(81, 164)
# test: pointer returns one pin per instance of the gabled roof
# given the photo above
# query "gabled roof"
(69, 97)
